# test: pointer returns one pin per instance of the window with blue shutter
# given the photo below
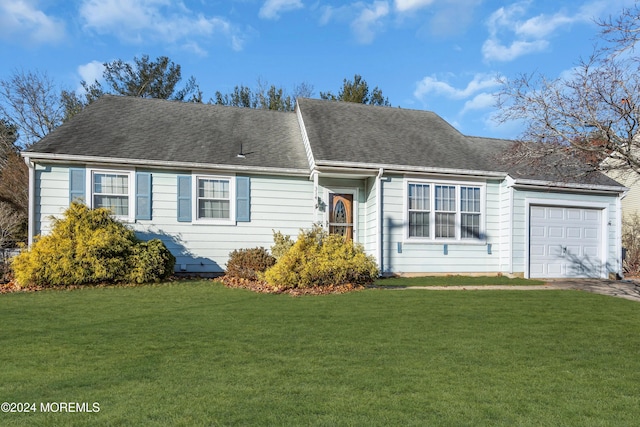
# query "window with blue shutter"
(243, 196)
(143, 195)
(77, 185)
(184, 198)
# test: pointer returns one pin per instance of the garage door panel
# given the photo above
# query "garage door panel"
(591, 233)
(557, 232)
(538, 212)
(574, 232)
(538, 231)
(591, 251)
(592, 215)
(555, 213)
(574, 214)
(565, 242)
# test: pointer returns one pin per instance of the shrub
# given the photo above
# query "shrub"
(89, 246)
(281, 244)
(631, 242)
(149, 262)
(248, 263)
(321, 259)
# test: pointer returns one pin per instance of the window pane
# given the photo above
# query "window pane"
(213, 188)
(217, 209)
(111, 190)
(110, 183)
(445, 198)
(418, 224)
(470, 226)
(118, 204)
(445, 225)
(470, 199)
(419, 197)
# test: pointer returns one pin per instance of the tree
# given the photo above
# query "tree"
(31, 101)
(357, 90)
(14, 196)
(144, 78)
(265, 96)
(591, 116)
(148, 79)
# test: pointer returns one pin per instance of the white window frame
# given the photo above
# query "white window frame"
(130, 173)
(232, 199)
(432, 183)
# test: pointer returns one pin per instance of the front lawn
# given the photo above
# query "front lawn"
(197, 353)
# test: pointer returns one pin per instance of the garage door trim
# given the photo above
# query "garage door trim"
(604, 207)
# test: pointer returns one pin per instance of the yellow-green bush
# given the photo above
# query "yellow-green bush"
(281, 244)
(90, 246)
(321, 259)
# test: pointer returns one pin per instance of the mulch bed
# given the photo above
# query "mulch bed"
(265, 288)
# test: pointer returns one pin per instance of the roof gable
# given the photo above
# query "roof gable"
(357, 133)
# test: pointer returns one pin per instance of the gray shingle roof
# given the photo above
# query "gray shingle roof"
(137, 129)
(151, 129)
(350, 132)
(342, 131)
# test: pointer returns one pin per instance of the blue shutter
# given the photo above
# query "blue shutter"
(184, 198)
(143, 195)
(77, 185)
(243, 195)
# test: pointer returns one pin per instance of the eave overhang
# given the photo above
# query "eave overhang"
(160, 164)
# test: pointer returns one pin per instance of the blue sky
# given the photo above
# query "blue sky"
(436, 55)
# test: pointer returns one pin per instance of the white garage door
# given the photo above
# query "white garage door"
(565, 242)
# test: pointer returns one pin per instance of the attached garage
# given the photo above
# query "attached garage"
(566, 241)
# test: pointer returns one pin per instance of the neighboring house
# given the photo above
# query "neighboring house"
(631, 200)
(418, 195)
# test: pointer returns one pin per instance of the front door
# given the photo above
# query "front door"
(341, 215)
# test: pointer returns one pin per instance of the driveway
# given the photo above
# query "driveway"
(628, 289)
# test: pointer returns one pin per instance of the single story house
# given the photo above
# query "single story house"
(421, 197)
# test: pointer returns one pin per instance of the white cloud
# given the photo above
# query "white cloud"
(431, 85)
(22, 20)
(271, 9)
(365, 25)
(407, 5)
(156, 20)
(524, 36)
(493, 50)
(481, 101)
(91, 72)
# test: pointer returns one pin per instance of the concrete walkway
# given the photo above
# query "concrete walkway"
(627, 289)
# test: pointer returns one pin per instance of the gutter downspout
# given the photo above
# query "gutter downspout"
(379, 218)
(618, 238)
(32, 200)
(316, 204)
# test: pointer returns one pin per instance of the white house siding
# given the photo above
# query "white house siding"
(277, 203)
(520, 232)
(51, 195)
(403, 256)
(371, 217)
(505, 212)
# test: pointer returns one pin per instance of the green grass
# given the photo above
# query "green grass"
(196, 353)
(455, 281)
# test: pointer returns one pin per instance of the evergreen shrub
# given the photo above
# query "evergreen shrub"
(249, 263)
(89, 246)
(321, 259)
